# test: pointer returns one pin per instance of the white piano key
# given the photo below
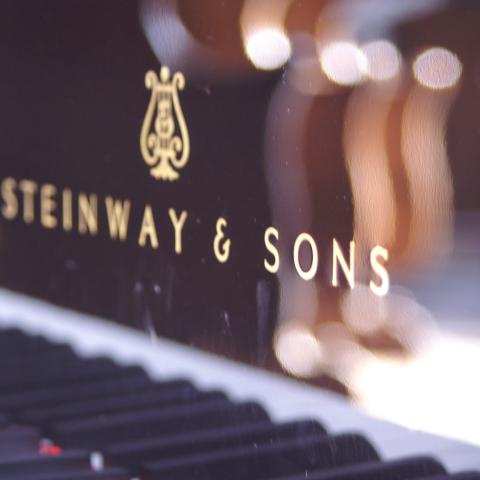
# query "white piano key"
(461, 457)
(411, 442)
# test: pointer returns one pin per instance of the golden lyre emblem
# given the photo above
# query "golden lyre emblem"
(164, 140)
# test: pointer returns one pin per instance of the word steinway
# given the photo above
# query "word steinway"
(21, 199)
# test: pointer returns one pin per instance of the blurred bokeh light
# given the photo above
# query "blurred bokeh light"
(343, 62)
(383, 60)
(437, 68)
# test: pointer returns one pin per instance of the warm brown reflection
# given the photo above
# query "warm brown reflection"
(393, 108)
(428, 172)
(365, 138)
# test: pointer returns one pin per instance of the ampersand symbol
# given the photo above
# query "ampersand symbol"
(221, 246)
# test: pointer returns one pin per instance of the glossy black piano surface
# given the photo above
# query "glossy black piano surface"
(292, 184)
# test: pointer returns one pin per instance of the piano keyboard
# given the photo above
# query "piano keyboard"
(85, 399)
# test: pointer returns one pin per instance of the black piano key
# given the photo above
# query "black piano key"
(268, 461)
(37, 357)
(98, 432)
(161, 393)
(107, 474)
(21, 347)
(10, 333)
(132, 454)
(68, 374)
(124, 381)
(138, 402)
(16, 342)
(33, 466)
(17, 440)
(47, 364)
(404, 469)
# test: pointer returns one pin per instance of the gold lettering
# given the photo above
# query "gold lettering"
(87, 213)
(48, 205)
(380, 270)
(311, 272)
(338, 257)
(28, 188)
(271, 267)
(118, 213)
(10, 200)
(148, 229)
(178, 224)
(222, 252)
(67, 210)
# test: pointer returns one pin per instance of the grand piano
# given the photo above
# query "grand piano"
(239, 240)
